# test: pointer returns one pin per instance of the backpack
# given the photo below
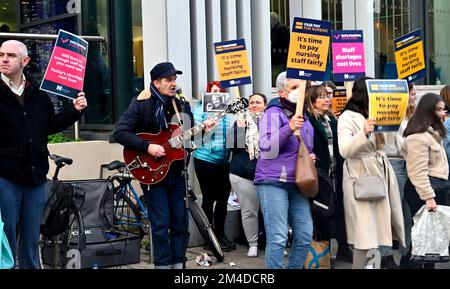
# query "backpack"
(322, 206)
(57, 210)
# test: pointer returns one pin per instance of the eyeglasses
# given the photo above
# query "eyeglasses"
(325, 96)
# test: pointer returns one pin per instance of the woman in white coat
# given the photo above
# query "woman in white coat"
(369, 224)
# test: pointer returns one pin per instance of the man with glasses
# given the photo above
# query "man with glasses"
(27, 116)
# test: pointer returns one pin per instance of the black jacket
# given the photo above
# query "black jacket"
(240, 164)
(140, 117)
(24, 131)
(321, 149)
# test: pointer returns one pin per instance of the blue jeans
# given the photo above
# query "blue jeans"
(281, 207)
(166, 207)
(22, 207)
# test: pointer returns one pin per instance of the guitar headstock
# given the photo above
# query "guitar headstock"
(237, 105)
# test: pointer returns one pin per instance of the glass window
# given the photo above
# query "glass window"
(332, 11)
(279, 36)
(138, 46)
(438, 62)
(391, 21)
(95, 19)
(8, 16)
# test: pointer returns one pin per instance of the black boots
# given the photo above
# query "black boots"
(344, 253)
(388, 262)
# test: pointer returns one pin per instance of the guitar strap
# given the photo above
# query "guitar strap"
(177, 112)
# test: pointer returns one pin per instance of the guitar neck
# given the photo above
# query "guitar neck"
(174, 142)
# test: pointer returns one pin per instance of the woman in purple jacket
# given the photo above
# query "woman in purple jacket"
(279, 198)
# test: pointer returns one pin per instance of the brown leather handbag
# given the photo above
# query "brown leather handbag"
(305, 172)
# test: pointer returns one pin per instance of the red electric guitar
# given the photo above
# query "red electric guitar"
(150, 170)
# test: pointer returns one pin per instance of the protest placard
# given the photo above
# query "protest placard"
(409, 56)
(65, 72)
(308, 49)
(232, 63)
(388, 100)
(339, 101)
(215, 102)
(348, 55)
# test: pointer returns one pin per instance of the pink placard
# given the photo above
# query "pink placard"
(348, 58)
(67, 68)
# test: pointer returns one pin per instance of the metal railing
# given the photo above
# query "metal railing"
(45, 36)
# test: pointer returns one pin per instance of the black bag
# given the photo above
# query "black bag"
(103, 249)
(322, 206)
(57, 209)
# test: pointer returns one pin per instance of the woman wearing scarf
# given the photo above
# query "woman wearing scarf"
(245, 153)
(279, 197)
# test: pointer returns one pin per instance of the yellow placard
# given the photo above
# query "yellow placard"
(339, 100)
(410, 60)
(389, 109)
(233, 65)
(308, 52)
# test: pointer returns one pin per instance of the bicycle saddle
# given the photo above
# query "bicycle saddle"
(116, 165)
(61, 161)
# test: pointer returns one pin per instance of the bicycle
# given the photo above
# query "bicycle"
(53, 247)
(127, 201)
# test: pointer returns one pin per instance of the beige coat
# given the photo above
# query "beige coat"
(369, 224)
(425, 156)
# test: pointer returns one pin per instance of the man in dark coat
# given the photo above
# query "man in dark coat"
(151, 112)
(27, 117)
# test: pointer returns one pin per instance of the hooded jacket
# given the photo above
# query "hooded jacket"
(279, 145)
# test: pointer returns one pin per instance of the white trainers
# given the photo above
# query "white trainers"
(286, 253)
(252, 252)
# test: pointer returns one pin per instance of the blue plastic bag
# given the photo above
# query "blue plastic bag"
(6, 256)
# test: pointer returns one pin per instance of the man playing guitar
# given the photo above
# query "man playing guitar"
(152, 112)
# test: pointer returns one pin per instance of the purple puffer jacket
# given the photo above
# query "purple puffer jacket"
(279, 146)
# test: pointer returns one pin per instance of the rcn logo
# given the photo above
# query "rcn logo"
(301, 73)
(346, 76)
(59, 88)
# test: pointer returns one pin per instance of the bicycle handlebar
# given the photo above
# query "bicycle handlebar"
(121, 176)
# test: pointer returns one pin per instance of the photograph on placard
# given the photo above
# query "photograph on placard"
(215, 102)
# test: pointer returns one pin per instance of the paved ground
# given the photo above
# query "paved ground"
(238, 259)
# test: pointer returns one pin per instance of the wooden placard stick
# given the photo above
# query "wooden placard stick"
(237, 93)
(301, 101)
(348, 88)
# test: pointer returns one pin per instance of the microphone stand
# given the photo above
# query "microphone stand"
(186, 188)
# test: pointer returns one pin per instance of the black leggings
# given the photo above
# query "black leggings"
(215, 185)
(441, 189)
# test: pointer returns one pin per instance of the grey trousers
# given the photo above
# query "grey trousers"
(249, 202)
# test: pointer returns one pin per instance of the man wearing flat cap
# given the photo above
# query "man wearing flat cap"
(152, 112)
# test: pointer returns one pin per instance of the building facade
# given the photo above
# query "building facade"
(134, 35)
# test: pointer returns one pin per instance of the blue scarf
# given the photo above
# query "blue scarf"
(160, 103)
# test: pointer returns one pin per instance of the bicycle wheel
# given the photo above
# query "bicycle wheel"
(205, 229)
(128, 216)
